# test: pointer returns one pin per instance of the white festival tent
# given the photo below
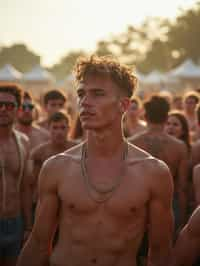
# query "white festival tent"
(186, 70)
(9, 73)
(141, 77)
(154, 77)
(38, 74)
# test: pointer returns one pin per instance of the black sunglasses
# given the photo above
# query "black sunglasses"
(9, 106)
(28, 106)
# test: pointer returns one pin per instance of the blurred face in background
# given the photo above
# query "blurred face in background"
(54, 105)
(133, 111)
(25, 114)
(8, 109)
(59, 131)
(190, 104)
(174, 127)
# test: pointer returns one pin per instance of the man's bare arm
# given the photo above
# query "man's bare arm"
(161, 222)
(187, 248)
(182, 184)
(37, 249)
(196, 183)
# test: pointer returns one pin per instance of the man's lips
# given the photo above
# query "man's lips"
(86, 114)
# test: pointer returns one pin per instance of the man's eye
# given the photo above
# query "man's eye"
(80, 94)
(99, 93)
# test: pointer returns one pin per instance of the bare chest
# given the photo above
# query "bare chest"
(122, 198)
(9, 158)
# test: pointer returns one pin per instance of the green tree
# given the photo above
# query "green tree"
(65, 65)
(19, 56)
(184, 35)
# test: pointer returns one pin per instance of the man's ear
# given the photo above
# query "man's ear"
(124, 104)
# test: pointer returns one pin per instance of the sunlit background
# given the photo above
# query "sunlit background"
(151, 35)
(53, 28)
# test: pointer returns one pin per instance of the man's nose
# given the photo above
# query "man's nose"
(86, 100)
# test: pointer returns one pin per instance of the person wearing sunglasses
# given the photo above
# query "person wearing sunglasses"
(25, 122)
(15, 181)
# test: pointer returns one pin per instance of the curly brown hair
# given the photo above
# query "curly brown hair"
(14, 90)
(121, 74)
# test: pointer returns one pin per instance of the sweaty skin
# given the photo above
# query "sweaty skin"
(107, 233)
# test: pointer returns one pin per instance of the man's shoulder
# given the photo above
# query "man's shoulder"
(193, 224)
(22, 138)
(40, 149)
(71, 155)
(149, 162)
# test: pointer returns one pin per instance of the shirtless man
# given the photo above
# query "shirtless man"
(25, 123)
(133, 123)
(54, 101)
(59, 125)
(168, 149)
(15, 196)
(187, 248)
(190, 102)
(104, 192)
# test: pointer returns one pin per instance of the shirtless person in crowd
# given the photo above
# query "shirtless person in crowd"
(104, 192)
(25, 121)
(15, 200)
(59, 125)
(190, 101)
(168, 149)
(133, 123)
(187, 248)
(54, 101)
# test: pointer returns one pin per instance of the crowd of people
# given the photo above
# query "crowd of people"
(116, 185)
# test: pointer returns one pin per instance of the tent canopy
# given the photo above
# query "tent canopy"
(38, 74)
(186, 70)
(9, 73)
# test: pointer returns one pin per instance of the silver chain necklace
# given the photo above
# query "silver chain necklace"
(103, 194)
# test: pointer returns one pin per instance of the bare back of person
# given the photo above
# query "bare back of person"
(174, 153)
(163, 147)
(94, 229)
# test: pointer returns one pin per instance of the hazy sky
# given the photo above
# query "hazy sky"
(52, 28)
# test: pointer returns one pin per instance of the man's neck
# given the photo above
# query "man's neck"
(157, 128)
(26, 129)
(106, 143)
(5, 132)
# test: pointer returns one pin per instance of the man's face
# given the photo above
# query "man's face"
(133, 111)
(99, 103)
(25, 114)
(54, 106)
(8, 109)
(58, 131)
(190, 104)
